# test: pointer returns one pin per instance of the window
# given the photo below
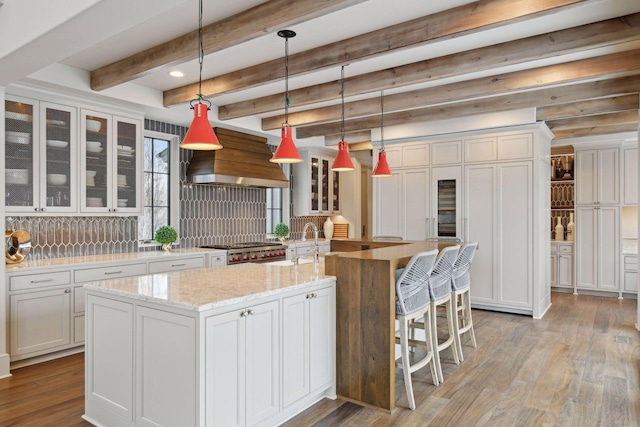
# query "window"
(161, 204)
(274, 208)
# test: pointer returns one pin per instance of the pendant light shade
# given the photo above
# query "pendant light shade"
(200, 135)
(286, 151)
(343, 161)
(382, 168)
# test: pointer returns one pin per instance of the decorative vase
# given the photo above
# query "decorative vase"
(166, 247)
(559, 229)
(328, 228)
(570, 228)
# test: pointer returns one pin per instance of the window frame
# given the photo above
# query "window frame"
(285, 201)
(174, 184)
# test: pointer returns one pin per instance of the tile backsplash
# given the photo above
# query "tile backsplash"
(208, 214)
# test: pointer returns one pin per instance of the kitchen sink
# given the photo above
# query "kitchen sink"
(289, 263)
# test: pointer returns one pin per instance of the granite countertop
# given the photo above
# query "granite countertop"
(129, 256)
(204, 289)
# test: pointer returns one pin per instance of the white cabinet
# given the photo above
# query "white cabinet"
(111, 163)
(40, 157)
(242, 366)
(169, 265)
(597, 176)
(217, 259)
(562, 265)
(388, 206)
(446, 202)
(499, 216)
(39, 321)
(443, 153)
(598, 247)
(316, 188)
(630, 273)
(630, 176)
(308, 340)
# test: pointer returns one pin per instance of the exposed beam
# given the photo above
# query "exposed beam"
(557, 43)
(462, 20)
(239, 28)
(534, 98)
(360, 146)
(590, 107)
(360, 136)
(595, 130)
(599, 67)
(610, 119)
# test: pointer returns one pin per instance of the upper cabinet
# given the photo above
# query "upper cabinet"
(316, 188)
(111, 161)
(630, 176)
(40, 157)
(598, 176)
(60, 159)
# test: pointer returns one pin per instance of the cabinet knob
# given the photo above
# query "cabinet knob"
(36, 209)
(67, 291)
(43, 209)
(250, 311)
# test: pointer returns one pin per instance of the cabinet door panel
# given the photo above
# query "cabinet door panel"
(609, 176)
(415, 188)
(388, 206)
(480, 216)
(565, 270)
(224, 370)
(631, 176)
(607, 247)
(40, 321)
(321, 338)
(515, 234)
(96, 162)
(630, 281)
(263, 363)
(586, 177)
(586, 251)
(295, 348)
(127, 155)
(553, 269)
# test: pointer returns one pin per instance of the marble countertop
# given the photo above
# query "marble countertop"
(204, 289)
(129, 256)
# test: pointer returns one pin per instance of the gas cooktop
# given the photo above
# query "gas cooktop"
(242, 245)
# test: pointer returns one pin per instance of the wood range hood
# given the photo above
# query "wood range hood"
(243, 160)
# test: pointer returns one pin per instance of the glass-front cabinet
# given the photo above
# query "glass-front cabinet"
(110, 157)
(316, 186)
(446, 202)
(40, 157)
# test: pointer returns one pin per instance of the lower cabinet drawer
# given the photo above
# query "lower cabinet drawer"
(106, 273)
(565, 249)
(31, 281)
(631, 263)
(176, 265)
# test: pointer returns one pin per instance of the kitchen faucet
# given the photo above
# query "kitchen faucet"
(316, 248)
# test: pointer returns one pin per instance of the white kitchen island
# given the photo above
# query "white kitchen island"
(243, 345)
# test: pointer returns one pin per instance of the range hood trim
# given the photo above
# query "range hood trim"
(214, 178)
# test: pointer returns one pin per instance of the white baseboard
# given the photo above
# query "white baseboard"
(4, 366)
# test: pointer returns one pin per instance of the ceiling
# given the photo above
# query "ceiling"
(574, 64)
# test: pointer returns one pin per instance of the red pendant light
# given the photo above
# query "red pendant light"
(343, 160)
(200, 135)
(382, 168)
(286, 151)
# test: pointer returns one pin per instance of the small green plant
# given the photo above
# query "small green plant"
(166, 235)
(281, 231)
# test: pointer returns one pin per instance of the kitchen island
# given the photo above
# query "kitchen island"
(244, 345)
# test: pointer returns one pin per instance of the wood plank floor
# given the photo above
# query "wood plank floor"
(579, 366)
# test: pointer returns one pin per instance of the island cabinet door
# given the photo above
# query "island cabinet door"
(165, 354)
(322, 340)
(295, 348)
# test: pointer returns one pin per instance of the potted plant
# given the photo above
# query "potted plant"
(281, 231)
(166, 235)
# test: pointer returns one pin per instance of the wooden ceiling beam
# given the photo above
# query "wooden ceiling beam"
(352, 137)
(462, 20)
(599, 67)
(534, 98)
(609, 119)
(589, 107)
(248, 25)
(595, 130)
(557, 43)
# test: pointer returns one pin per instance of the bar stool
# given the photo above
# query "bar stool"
(412, 302)
(461, 295)
(440, 294)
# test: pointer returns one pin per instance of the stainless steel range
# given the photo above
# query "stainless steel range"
(238, 253)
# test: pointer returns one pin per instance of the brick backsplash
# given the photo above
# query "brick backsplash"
(208, 214)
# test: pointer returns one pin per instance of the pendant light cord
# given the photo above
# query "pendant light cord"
(286, 80)
(381, 120)
(200, 51)
(342, 93)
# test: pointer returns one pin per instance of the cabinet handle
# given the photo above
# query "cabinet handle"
(67, 291)
(43, 209)
(428, 228)
(308, 296)
(41, 281)
(36, 209)
(250, 311)
(112, 272)
(178, 265)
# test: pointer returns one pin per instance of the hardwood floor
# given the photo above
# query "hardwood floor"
(579, 366)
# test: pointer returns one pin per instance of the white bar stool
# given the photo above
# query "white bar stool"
(461, 295)
(413, 302)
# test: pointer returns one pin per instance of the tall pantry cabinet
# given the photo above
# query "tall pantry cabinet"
(489, 187)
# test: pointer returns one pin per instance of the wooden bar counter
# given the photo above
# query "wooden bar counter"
(365, 315)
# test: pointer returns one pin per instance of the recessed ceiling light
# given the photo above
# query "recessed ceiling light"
(176, 73)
